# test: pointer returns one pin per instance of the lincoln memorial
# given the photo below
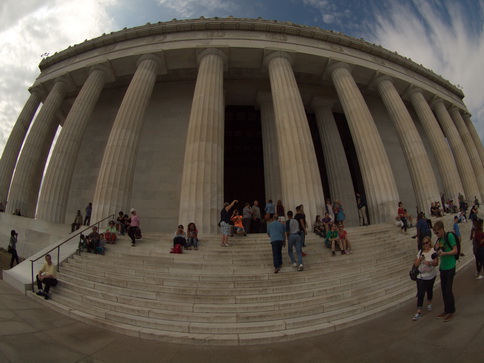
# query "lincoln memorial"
(175, 118)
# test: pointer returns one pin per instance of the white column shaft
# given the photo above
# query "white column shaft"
(272, 170)
(115, 180)
(462, 160)
(380, 188)
(421, 173)
(470, 147)
(443, 156)
(475, 136)
(57, 181)
(14, 144)
(300, 177)
(337, 168)
(30, 167)
(202, 189)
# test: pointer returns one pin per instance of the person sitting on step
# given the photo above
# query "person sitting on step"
(48, 276)
(93, 240)
(180, 237)
(110, 233)
(344, 241)
(192, 240)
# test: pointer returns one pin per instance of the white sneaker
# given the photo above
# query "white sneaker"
(480, 277)
(301, 267)
(416, 317)
(294, 264)
(429, 307)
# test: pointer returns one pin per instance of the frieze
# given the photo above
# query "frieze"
(276, 36)
(215, 34)
(336, 47)
(159, 38)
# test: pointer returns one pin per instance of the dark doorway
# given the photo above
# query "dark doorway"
(243, 163)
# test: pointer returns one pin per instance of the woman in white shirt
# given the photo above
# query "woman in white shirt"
(427, 261)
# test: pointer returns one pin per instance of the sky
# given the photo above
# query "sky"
(445, 36)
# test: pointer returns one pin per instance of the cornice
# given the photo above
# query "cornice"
(259, 24)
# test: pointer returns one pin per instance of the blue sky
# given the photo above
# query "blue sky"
(443, 35)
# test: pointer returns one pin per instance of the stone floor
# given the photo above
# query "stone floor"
(30, 332)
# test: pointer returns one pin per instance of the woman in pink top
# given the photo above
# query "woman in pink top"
(133, 227)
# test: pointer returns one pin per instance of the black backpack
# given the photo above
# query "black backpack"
(457, 242)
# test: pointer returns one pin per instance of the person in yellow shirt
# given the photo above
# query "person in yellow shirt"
(48, 276)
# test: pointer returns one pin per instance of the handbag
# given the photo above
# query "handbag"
(413, 273)
(9, 249)
(137, 233)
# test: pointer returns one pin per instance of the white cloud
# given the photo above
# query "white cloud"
(442, 42)
(197, 8)
(32, 28)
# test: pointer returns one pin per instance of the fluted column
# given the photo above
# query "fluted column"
(115, 179)
(202, 191)
(57, 180)
(459, 151)
(475, 136)
(470, 147)
(337, 169)
(300, 178)
(421, 173)
(381, 190)
(272, 170)
(15, 141)
(30, 167)
(443, 156)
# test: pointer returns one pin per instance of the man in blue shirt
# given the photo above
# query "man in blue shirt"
(277, 233)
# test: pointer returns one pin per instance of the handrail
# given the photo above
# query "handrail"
(60, 244)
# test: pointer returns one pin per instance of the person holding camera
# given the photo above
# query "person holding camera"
(12, 247)
(225, 222)
(426, 262)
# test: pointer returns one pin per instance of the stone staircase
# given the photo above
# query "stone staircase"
(231, 296)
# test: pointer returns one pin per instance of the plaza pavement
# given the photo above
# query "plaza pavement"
(30, 332)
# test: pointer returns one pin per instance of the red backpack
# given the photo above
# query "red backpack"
(177, 249)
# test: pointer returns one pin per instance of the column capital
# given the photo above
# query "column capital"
(380, 79)
(223, 53)
(436, 101)
(270, 55)
(337, 65)
(39, 90)
(106, 69)
(161, 69)
(67, 81)
(412, 90)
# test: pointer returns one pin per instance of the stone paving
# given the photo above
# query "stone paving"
(31, 332)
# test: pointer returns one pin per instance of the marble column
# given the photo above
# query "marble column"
(443, 156)
(272, 169)
(15, 141)
(459, 151)
(202, 191)
(470, 147)
(57, 180)
(421, 173)
(380, 188)
(115, 179)
(30, 166)
(300, 177)
(474, 135)
(337, 168)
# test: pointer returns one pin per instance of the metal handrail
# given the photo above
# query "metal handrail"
(60, 244)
